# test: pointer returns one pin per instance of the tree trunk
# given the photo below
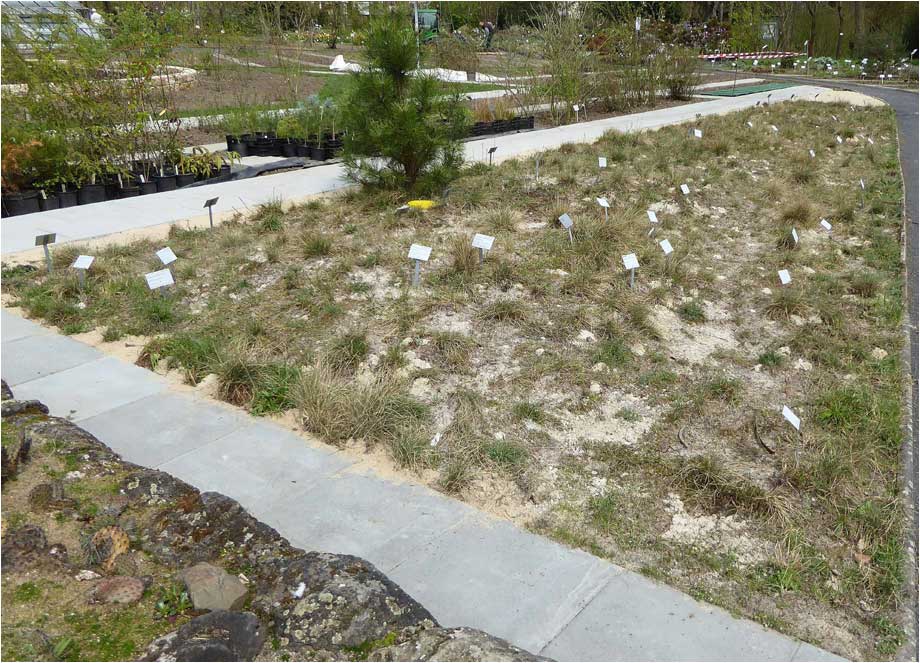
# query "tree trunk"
(812, 8)
(839, 30)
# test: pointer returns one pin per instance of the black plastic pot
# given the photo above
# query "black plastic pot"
(21, 202)
(130, 191)
(224, 170)
(147, 187)
(184, 179)
(51, 201)
(67, 199)
(317, 153)
(165, 183)
(288, 149)
(91, 193)
(233, 143)
(303, 150)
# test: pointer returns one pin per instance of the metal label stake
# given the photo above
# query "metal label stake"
(43, 241)
(210, 204)
(419, 254)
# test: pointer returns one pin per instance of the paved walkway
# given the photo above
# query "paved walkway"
(467, 568)
(72, 224)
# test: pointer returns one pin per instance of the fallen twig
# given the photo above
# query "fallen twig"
(759, 439)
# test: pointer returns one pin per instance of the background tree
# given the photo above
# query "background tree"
(400, 129)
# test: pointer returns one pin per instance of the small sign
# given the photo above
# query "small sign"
(862, 184)
(666, 247)
(684, 189)
(697, 133)
(602, 162)
(566, 221)
(812, 153)
(795, 236)
(784, 277)
(210, 202)
(419, 252)
(630, 261)
(166, 255)
(839, 140)
(826, 225)
(483, 242)
(576, 107)
(835, 118)
(603, 202)
(750, 124)
(492, 149)
(159, 279)
(652, 217)
(871, 142)
(774, 127)
(45, 240)
(791, 417)
(83, 262)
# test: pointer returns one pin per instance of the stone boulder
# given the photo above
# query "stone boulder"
(216, 636)
(324, 605)
(453, 644)
(10, 408)
(5, 392)
(212, 588)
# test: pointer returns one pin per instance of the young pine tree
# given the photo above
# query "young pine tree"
(402, 130)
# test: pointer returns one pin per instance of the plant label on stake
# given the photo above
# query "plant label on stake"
(839, 140)
(483, 243)
(871, 142)
(491, 152)
(684, 189)
(210, 203)
(603, 202)
(784, 277)
(826, 225)
(775, 129)
(43, 241)
(159, 280)
(792, 418)
(419, 253)
(567, 223)
(697, 133)
(575, 108)
(81, 264)
(631, 262)
(795, 236)
(750, 124)
(652, 217)
(666, 247)
(166, 255)
(812, 153)
(602, 162)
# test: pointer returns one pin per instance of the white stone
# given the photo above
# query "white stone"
(498, 435)
(86, 574)
(595, 388)
(785, 351)
(540, 352)
(802, 364)
(585, 335)
(879, 354)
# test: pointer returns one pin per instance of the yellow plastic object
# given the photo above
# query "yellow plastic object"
(421, 204)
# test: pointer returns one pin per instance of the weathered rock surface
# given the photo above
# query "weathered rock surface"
(454, 644)
(10, 407)
(212, 588)
(5, 392)
(216, 636)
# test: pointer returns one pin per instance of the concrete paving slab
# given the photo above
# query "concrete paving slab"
(258, 447)
(370, 514)
(13, 327)
(153, 430)
(636, 619)
(88, 389)
(207, 473)
(511, 583)
(34, 357)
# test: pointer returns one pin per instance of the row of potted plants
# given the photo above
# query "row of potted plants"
(268, 143)
(502, 126)
(135, 179)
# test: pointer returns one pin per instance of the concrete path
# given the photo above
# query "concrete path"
(72, 224)
(466, 567)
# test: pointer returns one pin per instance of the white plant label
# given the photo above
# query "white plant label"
(812, 153)
(791, 417)
(775, 128)
(652, 217)
(566, 221)
(630, 261)
(871, 142)
(159, 279)
(839, 140)
(83, 262)
(603, 202)
(483, 242)
(835, 118)
(826, 225)
(750, 124)
(419, 252)
(166, 255)
(576, 107)
(795, 236)
(602, 162)
(862, 184)
(684, 189)
(666, 247)
(697, 133)
(784, 277)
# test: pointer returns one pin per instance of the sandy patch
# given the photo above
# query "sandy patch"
(848, 97)
(720, 534)
(692, 343)
(620, 419)
(127, 348)
(378, 281)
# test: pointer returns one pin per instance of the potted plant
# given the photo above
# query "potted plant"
(288, 128)
(16, 173)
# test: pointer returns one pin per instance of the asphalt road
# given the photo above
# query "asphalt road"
(905, 105)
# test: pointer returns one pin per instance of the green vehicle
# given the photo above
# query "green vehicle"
(427, 25)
